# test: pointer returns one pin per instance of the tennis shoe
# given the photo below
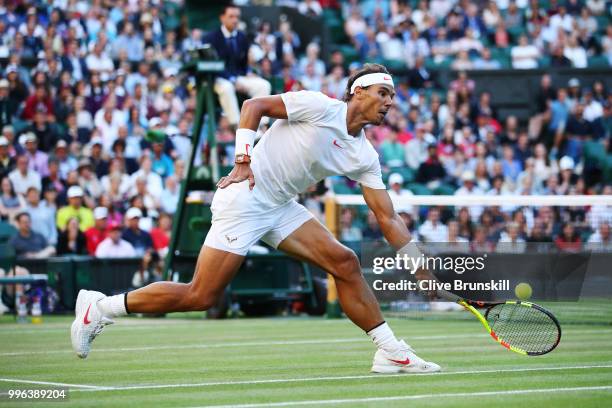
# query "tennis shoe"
(404, 360)
(88, 323)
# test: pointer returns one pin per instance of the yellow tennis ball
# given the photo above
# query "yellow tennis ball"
(523, 291)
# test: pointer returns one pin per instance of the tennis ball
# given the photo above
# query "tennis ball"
(523, 291)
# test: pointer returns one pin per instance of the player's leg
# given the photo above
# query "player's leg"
(214, 270)
(228, 100)
(315, 244)
(312, 242)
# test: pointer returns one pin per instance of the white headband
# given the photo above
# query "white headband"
(372, 79)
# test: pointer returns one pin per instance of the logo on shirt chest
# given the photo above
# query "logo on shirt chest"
(335, 143)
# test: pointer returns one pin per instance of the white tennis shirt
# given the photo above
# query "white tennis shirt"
(313, 143)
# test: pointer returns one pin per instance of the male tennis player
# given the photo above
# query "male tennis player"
(315, 137)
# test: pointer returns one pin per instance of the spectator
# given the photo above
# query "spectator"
(416, 149)
(65, 161)
(72, 240)
(348, 231)
(601, 240)
(170, 196)
(485, 61)
(140, 240)
(510, 240)
(98, 162)
(113, 246)
(392, 151)
(11, 204)
(96, 234)
(232, 47)
(154, 184)
(399, 194)
(524, 55)
(7, 109)
(27, 243)
(23, 177)
(469, 188)
(40, 102)
(41, 215)
(160, 235)
(7, 163)
(75, 209)
(130, 43)
(38, 160)
(431, 171)
(162, 163)
(568, 240)
(455, 242)
(88, 180)
(575, 53)
(433, 230)
(98, 61)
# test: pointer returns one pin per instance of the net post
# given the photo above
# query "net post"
(333, 309)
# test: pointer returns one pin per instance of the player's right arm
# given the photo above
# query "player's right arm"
(250, 115)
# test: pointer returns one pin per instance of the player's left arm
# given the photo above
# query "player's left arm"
(391, 224)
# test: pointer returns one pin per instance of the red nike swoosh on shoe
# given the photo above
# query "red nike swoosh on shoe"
(402, 362)
(85, 319)
(337, 145)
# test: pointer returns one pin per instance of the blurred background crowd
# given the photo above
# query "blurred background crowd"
(82, 82)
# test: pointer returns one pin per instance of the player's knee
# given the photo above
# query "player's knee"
(346, 264)
(198, 300)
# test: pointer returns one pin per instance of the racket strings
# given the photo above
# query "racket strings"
(524, 327)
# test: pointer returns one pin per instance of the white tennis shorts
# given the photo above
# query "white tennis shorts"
(240, 218)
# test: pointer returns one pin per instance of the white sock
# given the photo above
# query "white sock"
(113, 306)
(384, 338)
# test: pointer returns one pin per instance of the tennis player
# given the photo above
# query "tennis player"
(315, 137)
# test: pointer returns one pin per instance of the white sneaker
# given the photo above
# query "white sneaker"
(88, 323)
(403, 360)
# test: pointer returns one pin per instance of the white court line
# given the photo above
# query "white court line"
(248, 344)
(55, 384)
(416, 397)
(237, 344)
(337, 378)
(93, 388)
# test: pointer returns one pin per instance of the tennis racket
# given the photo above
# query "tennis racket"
(523, 327)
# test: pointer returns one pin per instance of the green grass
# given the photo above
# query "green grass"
(220, 362)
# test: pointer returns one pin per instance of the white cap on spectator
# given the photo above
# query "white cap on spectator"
(96, 140)
(133, 213)
(396, 178)
(4, 141)
(566, 163)
(61, 144)
(75, 191)
(11, 68)
(156, 121)
(573, 82)
(100, 213)
(4, 83)
(27, 137)
(170, 71)
(468, 175)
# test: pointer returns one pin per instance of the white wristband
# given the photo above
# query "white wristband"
(411, 249)
(245, 139)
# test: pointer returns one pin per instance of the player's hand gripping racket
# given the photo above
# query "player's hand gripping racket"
(523, 327)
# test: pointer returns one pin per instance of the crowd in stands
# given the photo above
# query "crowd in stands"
(83, 83)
